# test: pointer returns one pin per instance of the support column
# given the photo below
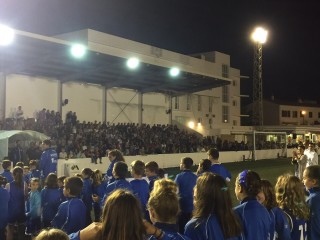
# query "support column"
(104, 103)
(3, 85)
(140, 108)
(59, 96)
(170, 110)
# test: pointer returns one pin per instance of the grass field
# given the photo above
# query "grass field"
(267, 169)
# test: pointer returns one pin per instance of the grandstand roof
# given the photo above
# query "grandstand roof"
(104, 64)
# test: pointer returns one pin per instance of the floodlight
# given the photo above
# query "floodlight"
(191, 124)
(133, 63)
(259, 35)
(6, 35)
(174, 72)
(78, 50)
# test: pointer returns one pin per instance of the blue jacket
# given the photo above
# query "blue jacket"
(100, 190)
(33, 174)
(8, 175)
(118, 183)
(314, 223)
(48, 162)
(108, 176)
(280, 228)
(298, 226)
(71, 216)
(34, 208)
(255, 219)
(50, 201)
(186, 181)
(4, 201)
(152, 179)
(86, 194)
(170, 232)
(218, 168)
(140, 189)
(16, 206)
(205, 229)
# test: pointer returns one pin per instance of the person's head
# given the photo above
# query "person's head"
(248, 184)
(33, 164)
(301, 149)
(17, 173)
(86, 173)
(120, 170)
(311, 146)
(152, 169)
(213, 154)
(290, 194)
(212, 196)
(20, 164)
(115, 154)
(122, 217)
(3, 181)
(311, 177)
(6, 165)
(46, 144)
(137, 168)
(72, 186)
(164, 183)
(51, 181)
(97, 177)
(204, 166)
(26, 170)
(52, 234)
(34, 184)
(163, 205)
(61, 181)
(186, 163)
(161, 173)
(267, 196)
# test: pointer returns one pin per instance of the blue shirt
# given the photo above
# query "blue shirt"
(8, 175)
(71, 216)
(118, 183)
(205, 228)
(186, 181)
(86, 194)
(35, 173)
(280, 228)
(298, 226)
(140, 189)
(109, 174)
(218, 168)
(314, 223)
(152, 179)
(50, 201)
(4, 201)
(170, 232)
(255, 219)
(16, 206)
(34, 208)
(48, 162)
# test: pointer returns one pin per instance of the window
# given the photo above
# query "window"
(188, 102)
(210, 104)
(225, 70)
(225, 94)
(285, 113)
(199, 103)
(294, 114)
(310, 114)
(176, 102)
(225, 114)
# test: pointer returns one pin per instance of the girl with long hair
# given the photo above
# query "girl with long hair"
(114, 156)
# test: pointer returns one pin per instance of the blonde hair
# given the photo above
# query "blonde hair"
(164, 183)
(52, 234)
(290, 194)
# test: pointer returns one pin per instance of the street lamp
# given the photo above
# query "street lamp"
(303, 113)
(259, 37)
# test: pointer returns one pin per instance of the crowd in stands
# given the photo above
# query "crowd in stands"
(92, 139)
(193, 206)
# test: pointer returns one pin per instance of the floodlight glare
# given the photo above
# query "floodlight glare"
(78, 50)
(259, 35)
(174, 72)
(133, 63)
(191, 124)
(6, 35)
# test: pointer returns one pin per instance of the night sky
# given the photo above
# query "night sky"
(291, 57)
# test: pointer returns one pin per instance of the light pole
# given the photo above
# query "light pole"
(303, 113)
(259, 37)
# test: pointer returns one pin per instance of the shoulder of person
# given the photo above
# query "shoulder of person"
(91, 232)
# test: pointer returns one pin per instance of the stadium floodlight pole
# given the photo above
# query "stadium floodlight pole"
(259, 37)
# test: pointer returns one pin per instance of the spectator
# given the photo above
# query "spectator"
(48, 160)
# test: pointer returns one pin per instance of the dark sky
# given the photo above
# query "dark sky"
(291, 57)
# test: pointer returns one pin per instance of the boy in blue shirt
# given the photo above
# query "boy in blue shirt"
(71, 216)
(152, 173)
(33, 213)
(186, 180)
(6, 165)
(4, 200)
(34, 172)
(217, 167)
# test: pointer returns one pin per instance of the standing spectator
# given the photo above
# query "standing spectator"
(33, 152)
(186, 180)
(48, 160)
(17, 153)
(299, 161)
(312, 155)
(217, 167)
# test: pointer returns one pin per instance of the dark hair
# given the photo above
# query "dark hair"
(188, 162)
(161, 173)
(214, 153)
(6, 164)
(313, 172)
(33, 163)
(205, 165)
(88, 172)
(74, 184)
(18, 176)
(120, 169)
(302, 146)
(152, 166)
(3, 181)
(250, 181)
(212, 196)
(116, 153)
(51, 181)
(122, 217)
(138, 167)
(269, 193)
(62, 178)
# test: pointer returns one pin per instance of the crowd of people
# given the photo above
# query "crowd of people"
(193, 206)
